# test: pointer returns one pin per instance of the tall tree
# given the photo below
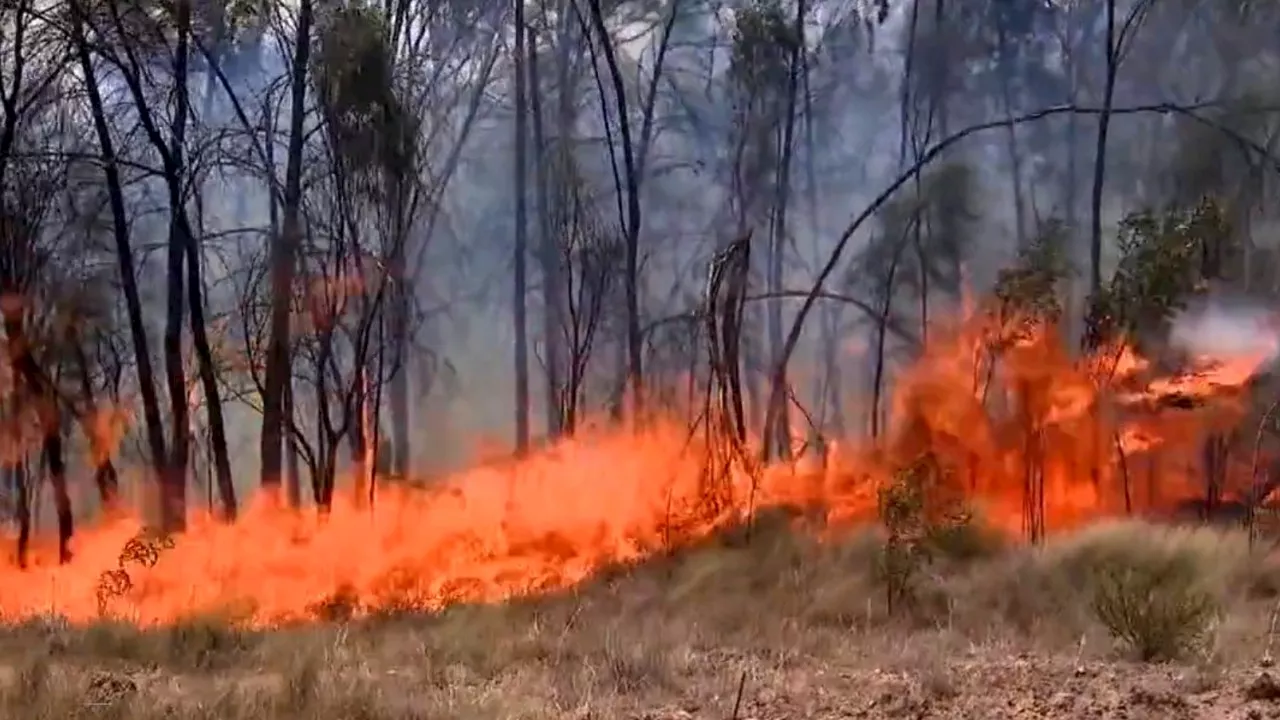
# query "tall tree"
(283, 260)
(520, 246)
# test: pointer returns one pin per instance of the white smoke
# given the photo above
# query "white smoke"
(1222, 329)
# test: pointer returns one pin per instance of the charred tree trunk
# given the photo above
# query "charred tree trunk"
(398, 402)
(779, 412)
(520, 289)
(1100, 150)
(293, 487)
(173, 488)
(283, 256)
(173, 504)
(57, 467)
(104, 475)
(124, 250)
(209, 383)
(548, 256)
(33, 388)
(882, 340)
(22, 497)
(632, 225)
(357, 437)
(1005, 71)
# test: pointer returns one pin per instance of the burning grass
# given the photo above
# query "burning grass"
(609, 574)
(801, 620)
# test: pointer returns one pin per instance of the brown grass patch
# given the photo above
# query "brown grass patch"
(789, 618)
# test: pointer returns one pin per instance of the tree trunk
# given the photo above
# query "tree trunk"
(293, 487)
(397, 317)
(357, 438)
(398, 402)
(124, 251)
(209, 383)
(1100, 153)
(56, 463)
(548, 255)
(283, 256)
(33, 389)
(776, 423)
(22, 497)
(632, 225)
(832, 395)
(1011, 138)
(780, 410)
(1095, 215)
(882, 336)
(520, 291)
(173, 490)
(104, 475)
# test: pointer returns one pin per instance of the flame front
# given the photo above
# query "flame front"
(1086, 438)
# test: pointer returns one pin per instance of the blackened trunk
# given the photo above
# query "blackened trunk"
(548, 258)
(34, 388)
(22, 496)
(105, 476)
(293, 487)
(124, 253)
(520, 289)
(209, 382)
(284, 252)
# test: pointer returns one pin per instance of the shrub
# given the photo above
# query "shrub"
(1154, 605)
(962, 537)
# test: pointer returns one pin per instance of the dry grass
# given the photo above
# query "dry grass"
(801, 625)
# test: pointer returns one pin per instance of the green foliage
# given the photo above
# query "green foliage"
(244, 13)
(948, 200)
(1164, 259)
(1154, 605)
(922, 526)
(1028, 290)
(354, 74)
(763, 40)
(961, 537)
(904, 553)
(946, 219)
(759, 71)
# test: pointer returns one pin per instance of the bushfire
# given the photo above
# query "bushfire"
(1030, 437)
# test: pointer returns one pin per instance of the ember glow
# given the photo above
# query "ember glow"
(1087, 438)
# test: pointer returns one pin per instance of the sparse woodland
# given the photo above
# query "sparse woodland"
(256, 247)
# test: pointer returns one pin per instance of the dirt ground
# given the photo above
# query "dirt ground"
(780, 628)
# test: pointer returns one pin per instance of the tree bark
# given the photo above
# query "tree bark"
(209, 383)
(104, 475)
(283, 257)
(173, 495)
(32, 387)
(124, 250)
(548, 255)
(22, 496)
(780, 433)
(632, 225)
(520, 290)
(293, 487)
(1100, 154)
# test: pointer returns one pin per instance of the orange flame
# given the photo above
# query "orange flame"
(996, 423)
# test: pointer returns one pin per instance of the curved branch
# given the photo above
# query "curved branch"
(901, 332)
(931, 154)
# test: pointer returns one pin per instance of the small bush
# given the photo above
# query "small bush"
(963, 538)
(1153, 604)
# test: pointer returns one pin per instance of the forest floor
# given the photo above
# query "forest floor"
(779, 628)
